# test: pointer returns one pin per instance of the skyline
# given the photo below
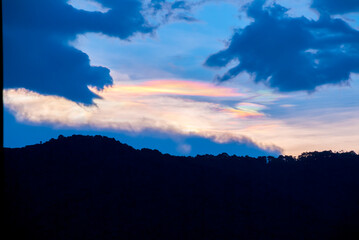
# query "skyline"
(245, 77)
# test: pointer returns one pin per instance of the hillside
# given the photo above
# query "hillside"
(84, 187)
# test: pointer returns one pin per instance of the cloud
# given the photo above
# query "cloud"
(166, 11)
(37, 54)
(184, 148)
(88, 5)
(290, 54)
(316, 130)
(143, 106)
(189, 113)
(168, 87)
(335, 6)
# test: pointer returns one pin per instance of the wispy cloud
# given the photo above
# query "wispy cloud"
(167, 87)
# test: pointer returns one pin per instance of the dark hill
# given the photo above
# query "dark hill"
(84, 187)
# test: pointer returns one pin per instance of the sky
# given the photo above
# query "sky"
(186, 77)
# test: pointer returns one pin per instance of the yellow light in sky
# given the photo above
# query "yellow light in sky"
(170, 87)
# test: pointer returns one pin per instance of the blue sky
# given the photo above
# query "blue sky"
(185, 77)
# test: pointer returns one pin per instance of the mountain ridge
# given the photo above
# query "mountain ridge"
(85, 187)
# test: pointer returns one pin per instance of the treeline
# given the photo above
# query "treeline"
(84, 187)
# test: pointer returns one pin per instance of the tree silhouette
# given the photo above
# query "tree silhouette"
(84, 187)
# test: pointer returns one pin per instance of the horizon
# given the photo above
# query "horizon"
(62, 137)
(250, 77)
(96, 188)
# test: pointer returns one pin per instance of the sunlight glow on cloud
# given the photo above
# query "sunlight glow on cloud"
(174, 107)
(317, 130)
(168, 87)
(161, 105)
(245, 109)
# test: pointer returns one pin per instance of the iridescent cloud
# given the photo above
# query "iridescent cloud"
(162, 105)
(168, 87)
(245, 109)
(176, 108)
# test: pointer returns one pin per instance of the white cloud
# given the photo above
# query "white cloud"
(194, 108)
(161, 105)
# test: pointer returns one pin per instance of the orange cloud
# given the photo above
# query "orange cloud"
(240, 113)
(245, 109)
(169, 87)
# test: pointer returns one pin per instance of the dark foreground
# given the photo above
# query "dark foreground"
(84, 187)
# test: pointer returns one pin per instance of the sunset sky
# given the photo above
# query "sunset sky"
(184, 77)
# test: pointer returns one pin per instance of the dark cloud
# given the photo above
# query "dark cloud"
(291, 54)
(157, 5)
(181, 5)
(336, 6)
(185, 17)
(37, 55)
(173, 10)
(161, 4)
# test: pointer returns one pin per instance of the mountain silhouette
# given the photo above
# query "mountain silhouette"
(94, 187)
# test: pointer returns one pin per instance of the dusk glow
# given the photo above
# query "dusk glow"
(181, 119)
(169, 87)
(277, 76)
